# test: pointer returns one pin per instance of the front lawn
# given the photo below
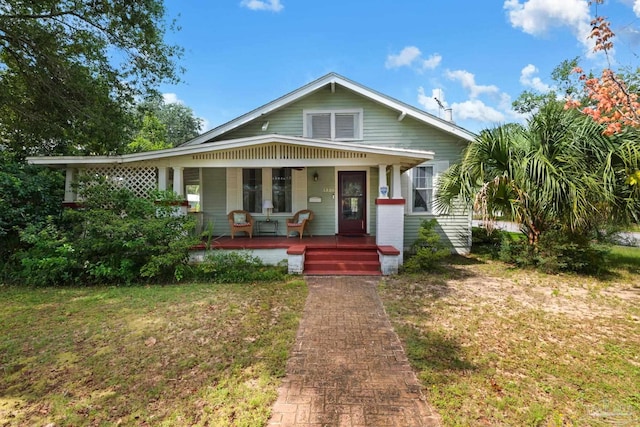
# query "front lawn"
(495, 345)
(196, 354)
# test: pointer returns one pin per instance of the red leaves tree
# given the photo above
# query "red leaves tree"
(611, 102)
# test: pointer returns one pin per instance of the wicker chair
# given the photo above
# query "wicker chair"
(240, 220)
(299, 222)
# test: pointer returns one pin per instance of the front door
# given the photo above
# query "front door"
(352, 198)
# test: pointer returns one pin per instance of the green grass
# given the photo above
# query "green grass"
(494, 345)
(162, 355)
(624, 259)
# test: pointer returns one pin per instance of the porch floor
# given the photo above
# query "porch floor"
(275, 242)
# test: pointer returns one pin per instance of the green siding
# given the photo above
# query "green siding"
(324, 213)
(454, 229)
(214, 199)
(380, 127)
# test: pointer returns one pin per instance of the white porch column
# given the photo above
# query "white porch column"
(390, 224)
(162, 178)
(383, 187)
(178, 187)
(69, 194)
(177, 180)
(397, 184)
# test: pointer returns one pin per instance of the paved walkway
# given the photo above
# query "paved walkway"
(348, 367)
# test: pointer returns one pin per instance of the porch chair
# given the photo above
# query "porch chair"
(240, 220)
(299, 222)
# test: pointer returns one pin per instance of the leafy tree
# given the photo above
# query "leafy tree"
(69, 70)
(565, 85)
(179, 120)
(152, 136)
(560, 172)
(610, 99)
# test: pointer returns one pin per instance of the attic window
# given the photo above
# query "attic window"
(340, 125)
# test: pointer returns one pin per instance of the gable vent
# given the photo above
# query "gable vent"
(279, 152)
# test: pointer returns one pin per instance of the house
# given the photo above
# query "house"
(364, 163)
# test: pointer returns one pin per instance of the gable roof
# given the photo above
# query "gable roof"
(333, 79)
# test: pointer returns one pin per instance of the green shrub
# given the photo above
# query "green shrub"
(238, 267)
(50, 258)
(556, 251)
(116, 238)
(485, 242)
(29, 195)
(427, 251)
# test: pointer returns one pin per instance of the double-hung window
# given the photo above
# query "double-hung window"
(275, 184)
(422, 189)
(281, 193)
(423, 181)
(338, 125)
(252, 190)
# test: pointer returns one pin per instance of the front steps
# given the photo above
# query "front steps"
(342, 262)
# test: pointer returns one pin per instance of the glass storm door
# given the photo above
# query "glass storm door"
(352, 197)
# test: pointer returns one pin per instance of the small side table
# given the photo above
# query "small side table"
(268, 227)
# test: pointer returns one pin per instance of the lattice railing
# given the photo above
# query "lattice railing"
(138, 179)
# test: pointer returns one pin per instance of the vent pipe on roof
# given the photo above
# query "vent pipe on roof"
(448, 114)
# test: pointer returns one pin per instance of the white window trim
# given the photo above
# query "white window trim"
(332, 113)
(266, 190)
(438, 168)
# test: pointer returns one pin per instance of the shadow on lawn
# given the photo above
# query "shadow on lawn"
(628, 260)
(437, 357)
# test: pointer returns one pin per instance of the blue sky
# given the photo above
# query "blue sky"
(475, 56)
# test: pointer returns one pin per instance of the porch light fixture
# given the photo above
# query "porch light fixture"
(315, 176)
(268, 206)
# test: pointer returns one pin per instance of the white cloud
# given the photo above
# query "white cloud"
(537, 17)
(171, 98)
(206, 125)
(429, 103)
(404, 59)
(411, 56)
(468, 81)
(474, 109)
(636, 8)
(433, 61)
(271, 5)
(528, 79)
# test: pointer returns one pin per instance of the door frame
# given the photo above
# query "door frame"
(367, 178)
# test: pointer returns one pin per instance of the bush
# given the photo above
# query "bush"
(238, 267)
(557, 251)
(427, 251)
(485, 242)
(116, 238)
(29, 195)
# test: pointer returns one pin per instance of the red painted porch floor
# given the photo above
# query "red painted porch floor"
(275, 242)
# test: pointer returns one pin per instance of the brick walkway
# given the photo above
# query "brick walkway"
(348, 367)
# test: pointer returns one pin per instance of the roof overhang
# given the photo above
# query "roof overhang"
(332, 79)
(405, 157)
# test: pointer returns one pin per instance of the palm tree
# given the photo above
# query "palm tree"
(557, 172)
